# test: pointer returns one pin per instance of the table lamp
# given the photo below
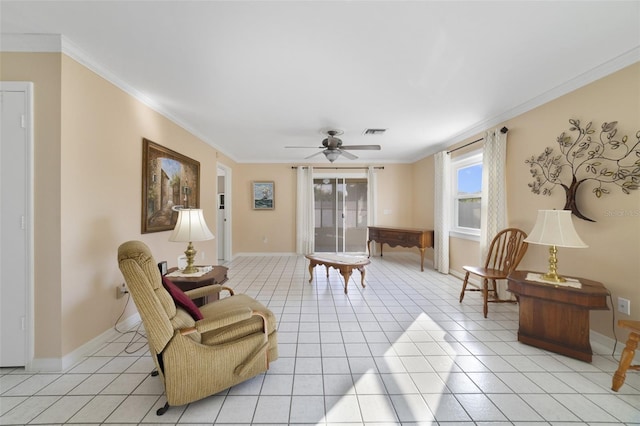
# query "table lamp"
(190, 227)
(554, 228)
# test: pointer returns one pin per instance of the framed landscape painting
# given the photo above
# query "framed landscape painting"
(263, 195)
(169, 181)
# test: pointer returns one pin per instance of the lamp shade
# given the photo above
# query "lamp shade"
(191, 227)
(555, 228)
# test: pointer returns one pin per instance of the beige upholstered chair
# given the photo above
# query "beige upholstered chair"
(505, 253)
(235, 340)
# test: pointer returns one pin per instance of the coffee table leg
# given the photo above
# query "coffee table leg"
(346, 274)
(361, 269)
(311, 266)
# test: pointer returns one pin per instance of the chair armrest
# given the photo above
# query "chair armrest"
(207, 290)
(214, 322)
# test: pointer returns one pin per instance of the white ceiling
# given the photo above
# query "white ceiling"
(253, 77)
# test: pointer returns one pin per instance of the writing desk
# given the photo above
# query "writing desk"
(404, 237)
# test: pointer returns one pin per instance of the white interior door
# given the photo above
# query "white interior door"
(15, 224)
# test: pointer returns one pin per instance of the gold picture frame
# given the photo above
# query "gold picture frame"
(263, 195)
(169, 180)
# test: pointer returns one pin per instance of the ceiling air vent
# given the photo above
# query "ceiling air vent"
(374, 131)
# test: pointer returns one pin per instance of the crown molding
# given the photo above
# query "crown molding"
(39, 43)
(616, 64)
(58, 43)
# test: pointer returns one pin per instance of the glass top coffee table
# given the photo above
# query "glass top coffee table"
(343, 263)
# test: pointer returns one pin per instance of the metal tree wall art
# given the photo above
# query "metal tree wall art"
(603, 159)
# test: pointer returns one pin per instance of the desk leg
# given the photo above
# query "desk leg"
(381, 244)
(422, 260)
(369, 248)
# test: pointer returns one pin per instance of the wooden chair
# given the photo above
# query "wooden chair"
(627, 353)
(505, 253)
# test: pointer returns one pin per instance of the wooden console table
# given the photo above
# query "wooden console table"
(556, 317)
(404, 237)
(216, 276)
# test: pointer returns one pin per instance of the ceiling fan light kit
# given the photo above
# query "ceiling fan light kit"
(332, 147)
(331, 155)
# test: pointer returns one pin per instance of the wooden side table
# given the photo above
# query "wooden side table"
(216, 276)
(556, 317)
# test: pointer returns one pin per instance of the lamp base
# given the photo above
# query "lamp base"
(552, 275)
(190, 252)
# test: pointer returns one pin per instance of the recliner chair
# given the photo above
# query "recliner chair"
(235, 340)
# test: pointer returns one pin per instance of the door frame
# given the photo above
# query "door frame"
(227, 212)
(27, 88)
(344, 176)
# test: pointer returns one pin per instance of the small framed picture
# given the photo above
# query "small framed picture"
(162, 266)
(263, 193)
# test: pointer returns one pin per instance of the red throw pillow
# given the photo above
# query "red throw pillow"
(182, 299)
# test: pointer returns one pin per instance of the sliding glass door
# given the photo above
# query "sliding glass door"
(340, 214)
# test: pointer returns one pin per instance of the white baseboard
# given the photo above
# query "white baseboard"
(55, 365)
(603, 345)
(263, 254)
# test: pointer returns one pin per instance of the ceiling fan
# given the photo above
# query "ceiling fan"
(332, 147)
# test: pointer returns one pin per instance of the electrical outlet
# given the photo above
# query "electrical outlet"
(624, 305)
(121, 290)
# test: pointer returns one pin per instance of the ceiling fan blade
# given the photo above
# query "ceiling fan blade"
(314, 147)
(313, 155)
(349, 155)
(362, 147)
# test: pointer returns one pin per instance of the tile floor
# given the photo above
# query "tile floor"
(402, 351)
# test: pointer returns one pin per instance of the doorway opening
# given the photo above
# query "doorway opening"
(223, 225)
(340, 214)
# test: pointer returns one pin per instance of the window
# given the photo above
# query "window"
(466, 195)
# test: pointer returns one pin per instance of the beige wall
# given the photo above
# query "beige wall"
(273, 231)
(88, 155)
(395, 200)
(613, 257)
(264, 231)
(88, 150)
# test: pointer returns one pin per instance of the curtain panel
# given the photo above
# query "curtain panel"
(372, 207)
(493, 205)
(442, 212)
(304, 211)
